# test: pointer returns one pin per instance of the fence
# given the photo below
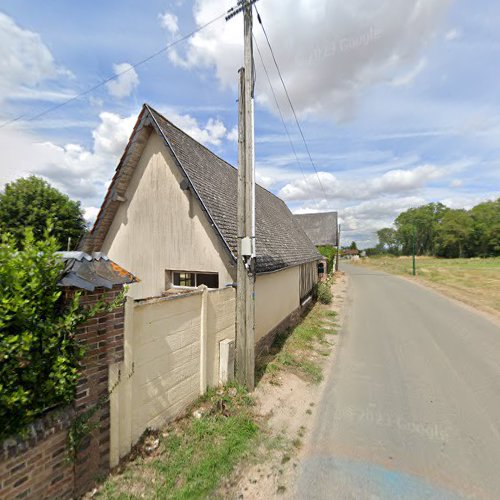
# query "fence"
(171, 355)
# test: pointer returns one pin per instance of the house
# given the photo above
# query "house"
(170, 218)
(350, 253)
(322, 229)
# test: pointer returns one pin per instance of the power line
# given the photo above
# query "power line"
(109, 79)
(290, 101)
(279, 109)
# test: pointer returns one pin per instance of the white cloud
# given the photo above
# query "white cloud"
(25, 61)
(233, 134)
(314, 186)
(453, 34)
(211, 133)
(85, 172)
(125, 82)
(169, 21)
(91, 214)
(409, 78)
(337, 50)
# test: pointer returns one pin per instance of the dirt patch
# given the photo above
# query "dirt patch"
(286, 404)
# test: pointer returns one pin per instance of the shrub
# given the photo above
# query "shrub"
(39, 356)
(329, 252)
(324, 292)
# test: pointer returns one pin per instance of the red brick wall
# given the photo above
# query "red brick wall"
(103, 339)
(37, 466)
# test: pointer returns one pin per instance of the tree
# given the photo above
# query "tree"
(422, 223)
(485, 239)
(387, 241)
(453, 233)
(353, 246)
(33, 202)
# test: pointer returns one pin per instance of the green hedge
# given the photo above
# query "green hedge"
(329, 252)
(39, 357)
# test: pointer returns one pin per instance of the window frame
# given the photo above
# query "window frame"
(195, 273)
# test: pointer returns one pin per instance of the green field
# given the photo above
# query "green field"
(473, 281)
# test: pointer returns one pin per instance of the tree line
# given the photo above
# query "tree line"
(436, 230)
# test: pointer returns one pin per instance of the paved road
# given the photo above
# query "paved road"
(412, 407)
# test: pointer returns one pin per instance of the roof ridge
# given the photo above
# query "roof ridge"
(153, 110)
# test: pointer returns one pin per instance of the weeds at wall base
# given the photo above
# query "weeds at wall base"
(187, 458)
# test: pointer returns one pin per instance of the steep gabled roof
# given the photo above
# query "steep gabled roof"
(320, 227)
(280, 241)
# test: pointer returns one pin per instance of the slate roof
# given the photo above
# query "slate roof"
(280, 240)
(320, 227)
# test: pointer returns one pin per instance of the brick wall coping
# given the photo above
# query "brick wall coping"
(52, 422)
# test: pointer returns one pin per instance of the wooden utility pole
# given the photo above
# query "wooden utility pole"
(338, 248)
(414, 251)
(245, 299)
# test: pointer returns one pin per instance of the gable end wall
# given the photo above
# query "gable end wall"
(161, 227)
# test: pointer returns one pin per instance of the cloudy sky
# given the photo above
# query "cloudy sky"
(399, 100)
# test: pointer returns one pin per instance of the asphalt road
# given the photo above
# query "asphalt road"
(411, 409)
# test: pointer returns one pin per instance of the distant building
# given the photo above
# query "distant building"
(322, 228)
(350, 253)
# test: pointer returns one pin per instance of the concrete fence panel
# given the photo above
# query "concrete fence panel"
(171, 356)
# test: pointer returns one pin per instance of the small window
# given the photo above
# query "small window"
(189, 279)
(184, 279)
(209, 279)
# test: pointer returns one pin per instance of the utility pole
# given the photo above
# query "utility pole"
(338, 249)
(414, 250)
(245, 297)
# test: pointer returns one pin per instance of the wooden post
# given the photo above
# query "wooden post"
(240, 269)
(338, 248)
(245, 308)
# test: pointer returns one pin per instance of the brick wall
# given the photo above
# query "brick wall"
(102, 337)
(37, 466)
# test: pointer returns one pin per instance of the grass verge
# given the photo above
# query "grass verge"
(473, 281)
(188, 458)
(300, 349)
(194, 456)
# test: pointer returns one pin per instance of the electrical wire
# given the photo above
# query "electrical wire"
(117, 75)
(289, 100)
(279, 109)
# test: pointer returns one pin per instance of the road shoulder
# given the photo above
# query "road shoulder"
(286, 407)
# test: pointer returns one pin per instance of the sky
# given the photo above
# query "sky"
(399, 100)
